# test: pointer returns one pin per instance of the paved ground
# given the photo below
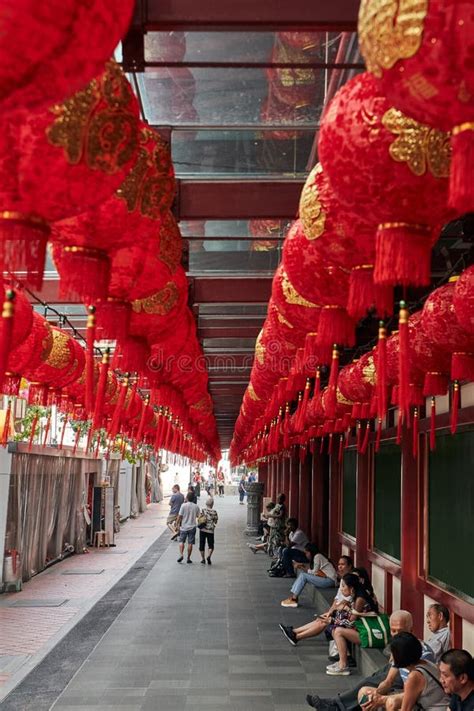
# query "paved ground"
(172, 636)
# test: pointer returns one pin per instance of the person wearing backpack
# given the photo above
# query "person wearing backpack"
(206, 530)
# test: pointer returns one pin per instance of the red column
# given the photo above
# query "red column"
(363, 507)
(411, 520)
(335, 469)
(293, 502)
(286, 478)
(305, 492)
(320, 500)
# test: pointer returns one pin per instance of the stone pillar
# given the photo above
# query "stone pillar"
(254, 507)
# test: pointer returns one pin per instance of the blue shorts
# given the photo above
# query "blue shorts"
(190, 535)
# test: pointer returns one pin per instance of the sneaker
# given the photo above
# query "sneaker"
(289, 602)
(203, 562)
(180, 559)
(189, 560)
(209, 561)
(175, 537)
(289, 634)
(321, 704)
(336, 670)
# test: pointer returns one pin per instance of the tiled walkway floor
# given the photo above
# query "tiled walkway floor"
(28, 633)
(199, 637)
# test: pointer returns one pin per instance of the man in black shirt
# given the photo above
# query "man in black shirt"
(457, 678)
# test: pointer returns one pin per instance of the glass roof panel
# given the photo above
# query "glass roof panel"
(248, 47)
(237, 153)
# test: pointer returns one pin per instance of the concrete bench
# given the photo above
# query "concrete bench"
(368, 660)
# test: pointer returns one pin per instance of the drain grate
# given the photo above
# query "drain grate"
(37, 603)
(83, 572)
(109, 551)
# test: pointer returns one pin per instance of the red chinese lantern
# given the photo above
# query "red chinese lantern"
(333, 236)
(30, 354)
(15, 325)
(422, 55)
(463, 300)
(290, 85)
(131, 214)
(63, 365)
(55, 50)
(394, 168)
(60, 162)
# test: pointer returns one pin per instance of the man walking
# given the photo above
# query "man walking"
(187, 516)
(176, 500)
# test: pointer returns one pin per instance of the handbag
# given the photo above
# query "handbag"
(201, 520)
(374, 631)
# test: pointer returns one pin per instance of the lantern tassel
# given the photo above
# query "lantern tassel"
(365, 441)
(24, 239)
(433, 424)
(46, 430)
(142, 419)
(403, 364)
(341, 448)
(63, 431)
(33, 432)
(321, 446)
(301, 417)
(358, 435)
(461, 196)
(403, 254)
(101, 388)
(331, 397)
(113, 318)
(87, 272)
(6, 425)
(335, 326)
(117, 416)
(76, 441)
(364, 294)
(6, 332)
(381, 364)
(415, 433)
(379, 434)
(90, 339)
(455, 407)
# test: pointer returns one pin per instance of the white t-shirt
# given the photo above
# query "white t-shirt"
(189, 513)
(324, 565)
(299, 539)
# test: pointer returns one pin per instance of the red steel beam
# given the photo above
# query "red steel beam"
(203, 290)
(229, 332)
(237, 199)
(264, 15)
(231, 289)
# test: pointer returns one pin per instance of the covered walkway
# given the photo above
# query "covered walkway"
(171, 636)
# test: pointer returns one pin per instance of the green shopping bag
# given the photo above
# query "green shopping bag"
(374, 631)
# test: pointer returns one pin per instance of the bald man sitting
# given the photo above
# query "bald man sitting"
(385, 681)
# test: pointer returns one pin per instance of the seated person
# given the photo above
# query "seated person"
(294, 551)
(342, 625)
(437, 619)
(276, 537)
(355, 598)
(321, 574)
(344, 566)
(384, 681)
(457, 677)
(422, 686)
(267, 523)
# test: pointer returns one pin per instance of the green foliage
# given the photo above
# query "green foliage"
(26, 423)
